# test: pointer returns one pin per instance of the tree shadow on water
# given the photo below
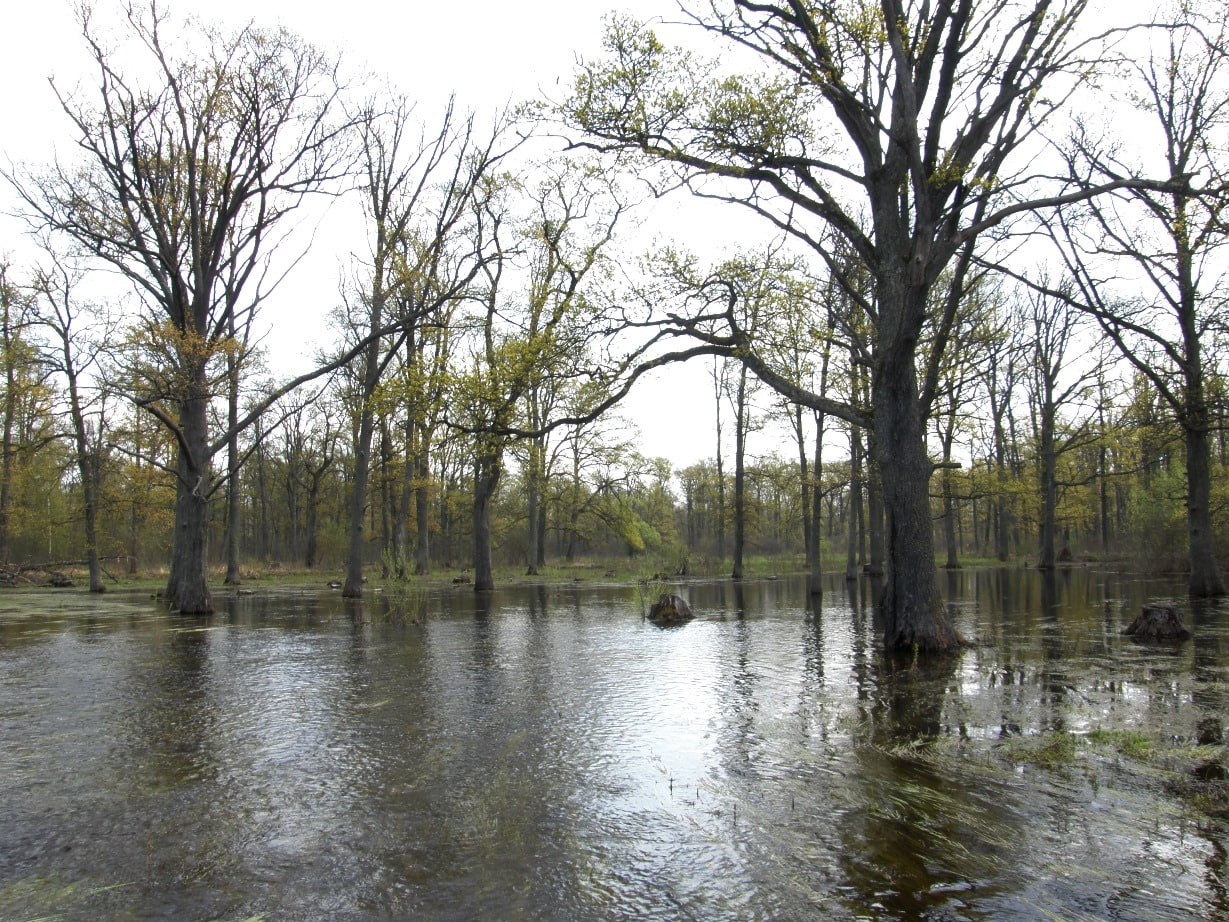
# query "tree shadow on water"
(917, 837)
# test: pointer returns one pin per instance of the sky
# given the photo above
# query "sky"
(487, 52)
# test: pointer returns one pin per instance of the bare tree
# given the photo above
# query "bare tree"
(184, 179)
(74, 356)
(419, 186)
(1171, 239)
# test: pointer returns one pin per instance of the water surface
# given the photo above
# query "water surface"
(549, 754)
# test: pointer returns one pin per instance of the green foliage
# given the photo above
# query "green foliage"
(1049, 750)
(636, 90)
(1131, 743)
(758, 117)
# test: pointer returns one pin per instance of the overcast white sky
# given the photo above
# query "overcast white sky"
(488, 52)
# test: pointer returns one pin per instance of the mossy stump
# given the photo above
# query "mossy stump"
(1158, 622)
(670, 607)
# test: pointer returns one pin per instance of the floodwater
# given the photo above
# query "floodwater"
(548, 754)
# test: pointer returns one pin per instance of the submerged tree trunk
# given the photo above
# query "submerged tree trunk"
(912, 609)
(1046, 457)
(853, 515)
(422, 508)
(187, 585)
(534, 480)
(875, 565)
(740, 474)
(488, 469)
(1205, 577)
(357, 500)
(815, 579)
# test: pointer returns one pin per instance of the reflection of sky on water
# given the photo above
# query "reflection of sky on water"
(548, 754)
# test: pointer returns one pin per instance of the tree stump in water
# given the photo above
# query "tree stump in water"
(1158, 622)
(670, 608)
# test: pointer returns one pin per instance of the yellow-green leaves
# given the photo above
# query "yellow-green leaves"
(636, 90)
(758, 115)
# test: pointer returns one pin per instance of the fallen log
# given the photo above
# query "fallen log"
(12, 573)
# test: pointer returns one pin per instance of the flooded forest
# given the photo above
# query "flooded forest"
(337, 583)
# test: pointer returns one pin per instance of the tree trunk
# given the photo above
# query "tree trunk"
(87, 467)
(388, 501)
(533, 501)
(135, 516)
(6, 442)
(949, 523)
(487, 471)
(541, 561)
(1205, 578)
(740, 475)
(357, 506)
(265, 539)
(853, 512)
(1049, 489)
(949, 504)
(874, 511)
(422, 509)
(89, 486)
(816, 586)
(910, 603)
(401, 514)
(233, 497)
(187, 585)
(311, 527)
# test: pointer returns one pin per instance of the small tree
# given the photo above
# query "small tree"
(74, 357)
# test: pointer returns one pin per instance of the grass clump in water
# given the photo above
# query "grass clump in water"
(1130, 743)
(1049, 750)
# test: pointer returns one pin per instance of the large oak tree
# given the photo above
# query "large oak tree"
(901, 129)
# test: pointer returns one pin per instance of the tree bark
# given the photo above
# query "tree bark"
(187, 585)
(1205, 577)
(853, 516)
(912, 608)
(352, 588)
(816, 585)
(740, 474)
(1049, 487)
(422, 508)
(533, 484)
(488, 469)
(233, 496)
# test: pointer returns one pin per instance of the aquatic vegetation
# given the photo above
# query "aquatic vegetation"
(1047, 750)
(44, 899)
(1131, 743)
